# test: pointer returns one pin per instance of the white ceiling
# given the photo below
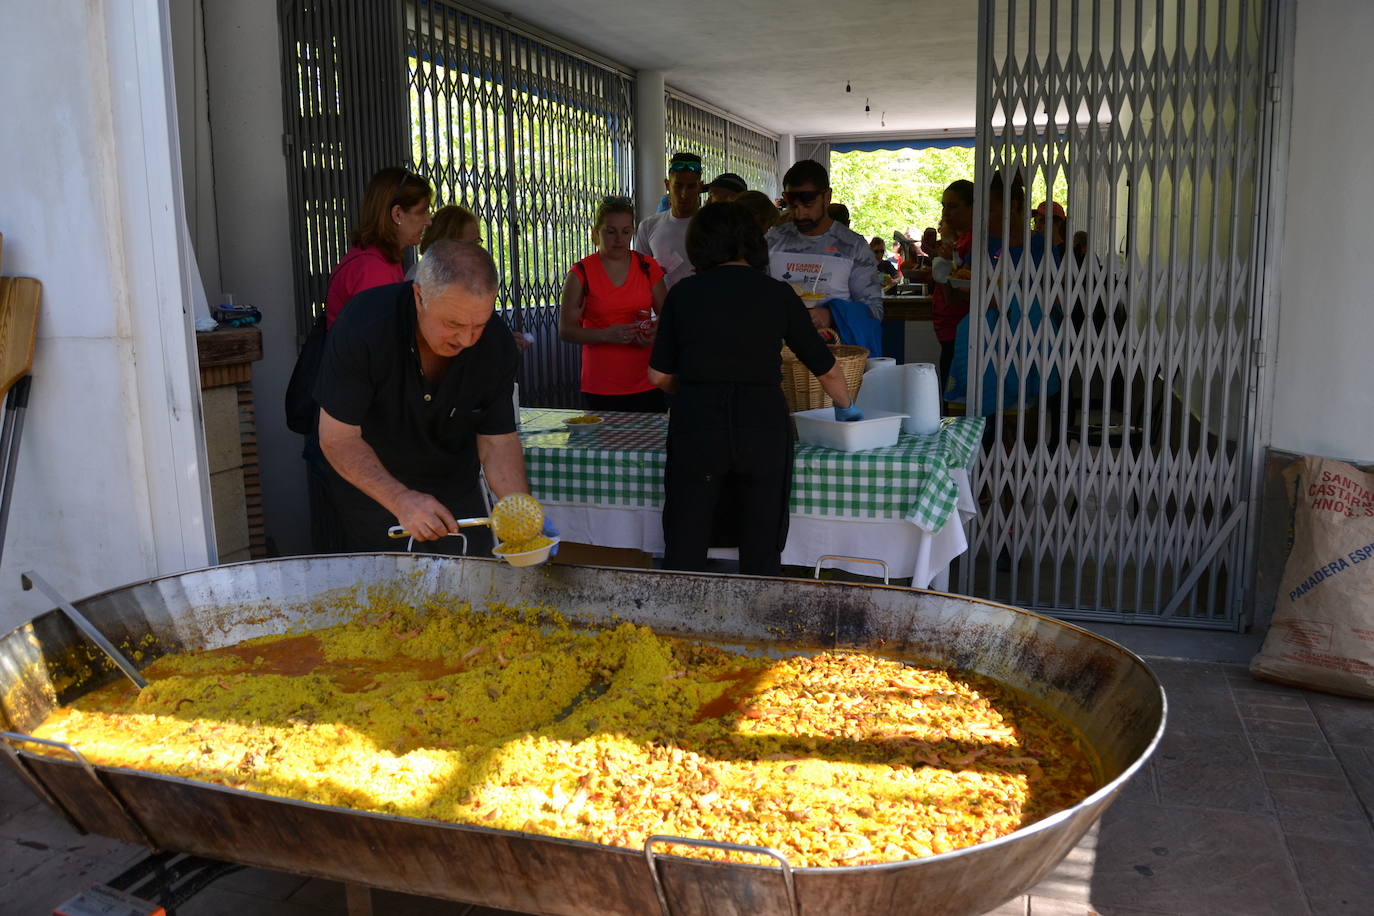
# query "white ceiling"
(783, 65)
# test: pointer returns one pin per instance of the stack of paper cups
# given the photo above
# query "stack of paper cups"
(921, 399)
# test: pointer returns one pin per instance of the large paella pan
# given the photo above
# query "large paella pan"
(1103, 692)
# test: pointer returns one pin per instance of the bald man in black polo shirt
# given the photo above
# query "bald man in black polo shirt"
(415, 391)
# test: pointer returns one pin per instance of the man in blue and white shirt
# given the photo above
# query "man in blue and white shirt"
(816, 253)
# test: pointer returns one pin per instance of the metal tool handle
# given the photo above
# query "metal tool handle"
(399, 531)
(887, 580)
(32, 579)
(650, 856)
(411, 543)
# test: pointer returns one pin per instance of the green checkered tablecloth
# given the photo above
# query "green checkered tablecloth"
(620, 462)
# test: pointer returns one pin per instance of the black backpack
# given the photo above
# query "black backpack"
(302, 413)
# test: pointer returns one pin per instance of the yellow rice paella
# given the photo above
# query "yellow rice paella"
(610, 735)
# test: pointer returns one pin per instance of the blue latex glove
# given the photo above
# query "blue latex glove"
(550, 532)
(848, 414)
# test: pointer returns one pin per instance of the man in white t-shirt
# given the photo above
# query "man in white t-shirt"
(663, 236)
(821, 257)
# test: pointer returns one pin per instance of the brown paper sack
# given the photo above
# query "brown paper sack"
(1322, 634)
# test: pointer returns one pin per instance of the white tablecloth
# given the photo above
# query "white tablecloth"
(908, 550)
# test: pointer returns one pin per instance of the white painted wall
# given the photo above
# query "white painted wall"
(243, 70)
(111, 485)
(1323, 393)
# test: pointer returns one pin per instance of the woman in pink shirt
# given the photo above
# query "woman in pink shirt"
(393, 216)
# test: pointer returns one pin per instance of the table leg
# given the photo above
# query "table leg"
(358, 899)
(941, 581)
(921, 575)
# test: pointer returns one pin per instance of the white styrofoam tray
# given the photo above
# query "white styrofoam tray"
(878, 429)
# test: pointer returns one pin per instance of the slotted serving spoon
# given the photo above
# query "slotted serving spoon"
(514, 519)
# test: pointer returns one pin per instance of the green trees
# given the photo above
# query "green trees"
(901, 189)
(896, 189)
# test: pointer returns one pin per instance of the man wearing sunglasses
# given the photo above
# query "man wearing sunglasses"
(827, 262)
(663, 236)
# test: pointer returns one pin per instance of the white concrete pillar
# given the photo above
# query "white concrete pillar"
(650, 137)
(787, 154)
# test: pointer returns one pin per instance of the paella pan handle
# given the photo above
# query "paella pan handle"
(32, 579)
(887, 579)
(9, 743)
(13, 739)
(17, 738)
(651, 857)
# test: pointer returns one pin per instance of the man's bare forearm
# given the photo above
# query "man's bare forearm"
(503, 460)
(357, 462)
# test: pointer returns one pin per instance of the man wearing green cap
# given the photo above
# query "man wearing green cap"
(663, 236)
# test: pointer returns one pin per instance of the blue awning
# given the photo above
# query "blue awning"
(899, 143)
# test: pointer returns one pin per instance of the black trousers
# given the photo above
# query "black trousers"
(651, 401)
(325, 529)
(728, 442)
(363, 522)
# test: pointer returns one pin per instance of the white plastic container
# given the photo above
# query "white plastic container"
(921, 398)
(882, 390)
(878, 429)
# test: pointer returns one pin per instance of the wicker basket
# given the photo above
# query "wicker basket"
(803, 390)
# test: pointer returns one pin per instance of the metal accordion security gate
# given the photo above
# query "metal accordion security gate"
(527, 133)
(530, 136)
(342, 98)
(1117, 367)
(724, 144)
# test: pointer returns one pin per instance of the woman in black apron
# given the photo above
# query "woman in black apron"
(718, 350)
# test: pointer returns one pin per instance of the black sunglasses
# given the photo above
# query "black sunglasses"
(801, 197)
(396, 194)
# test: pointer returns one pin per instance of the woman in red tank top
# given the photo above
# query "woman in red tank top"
(610, 302)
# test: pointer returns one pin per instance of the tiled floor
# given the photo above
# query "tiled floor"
(1259, 801)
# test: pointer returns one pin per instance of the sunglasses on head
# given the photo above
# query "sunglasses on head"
(801, 197)
(400, 185)
(684, 165)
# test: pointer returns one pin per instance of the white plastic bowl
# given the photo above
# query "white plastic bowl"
(878, 429)
(529, 557)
